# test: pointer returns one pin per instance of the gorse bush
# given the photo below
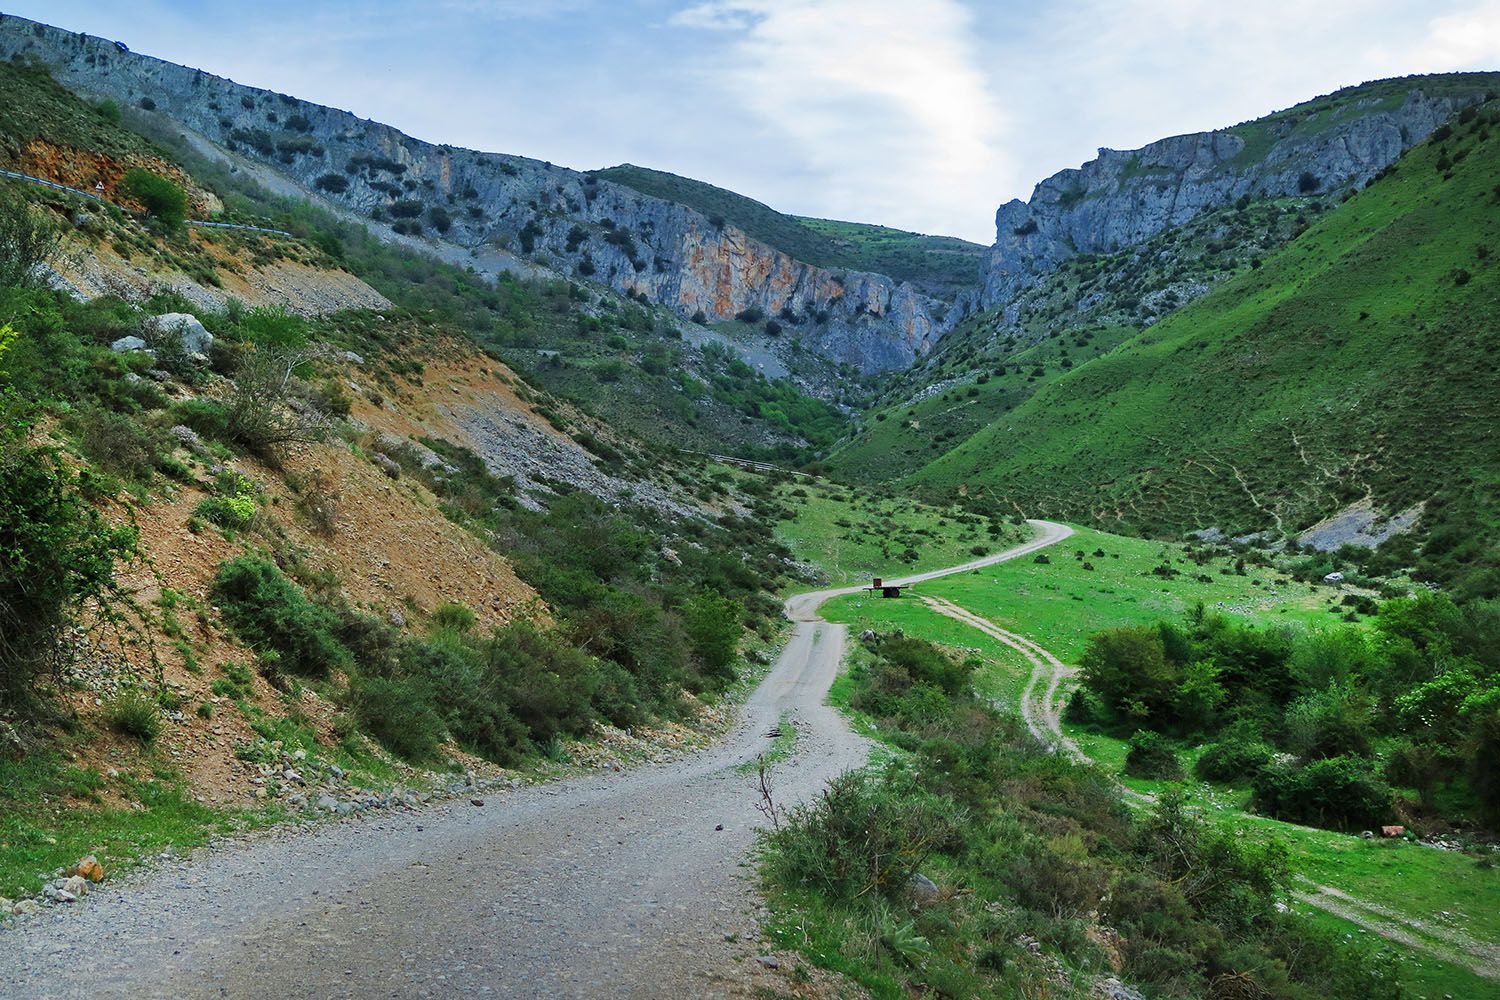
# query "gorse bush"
(56, 555)
(272, 614)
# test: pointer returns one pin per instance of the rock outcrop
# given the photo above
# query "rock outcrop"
(1121, 198)
(573, 223)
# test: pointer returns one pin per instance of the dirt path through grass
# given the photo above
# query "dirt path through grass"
(1041, 707)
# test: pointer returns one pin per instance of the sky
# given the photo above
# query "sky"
(919, 114)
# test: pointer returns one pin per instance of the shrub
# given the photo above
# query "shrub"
(318, 500)
(56, 553)
(867, 832)
(256, 413)
(161, 198)
(1340, 793)
(1308, 182)
(453, 617)
(713, 629)
(332, 183)
(118, 444)
(1150, 755)
(1232, 760)
(134, 714)
(272, 614)
(399, 713)
(233, 512)
(439, 219)
(28, 239)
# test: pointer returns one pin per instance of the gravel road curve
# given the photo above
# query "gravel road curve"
(615, 885)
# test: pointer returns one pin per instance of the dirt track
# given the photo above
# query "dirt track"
(609, 886)
(1041, 709)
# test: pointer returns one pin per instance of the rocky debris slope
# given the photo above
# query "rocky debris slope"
(582, 226)
(1123, 197)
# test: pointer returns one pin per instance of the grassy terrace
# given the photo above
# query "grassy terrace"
(853, 536)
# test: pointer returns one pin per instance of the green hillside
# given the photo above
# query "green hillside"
(939, 265)
(1360, 358)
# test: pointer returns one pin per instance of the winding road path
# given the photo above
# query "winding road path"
(620, 885)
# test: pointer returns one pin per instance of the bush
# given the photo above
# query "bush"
(1340, 793)
(867, 832)
(399, 713)
(1150, 755)
(272, 614)
(161, 198)
(1232, 760)
(713, 624)
(56, 554)
(134, 714)
(233, 512)
(257, 414)
(118, 444)
(332, 183)
(28, 239)
(454, 617)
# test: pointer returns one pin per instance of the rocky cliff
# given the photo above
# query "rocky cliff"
(442, 197)
(1121, 198)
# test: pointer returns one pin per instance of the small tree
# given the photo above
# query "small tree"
(713, 627)
(162, 199)
(28, 239)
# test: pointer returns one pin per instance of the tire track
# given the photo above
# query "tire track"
(1043, 718)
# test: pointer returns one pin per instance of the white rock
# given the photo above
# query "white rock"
(128, 344)
(190, 333)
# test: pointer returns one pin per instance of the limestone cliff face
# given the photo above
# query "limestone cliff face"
(568, 221)
(1122, 198)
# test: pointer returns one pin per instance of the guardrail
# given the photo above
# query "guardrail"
(91, 196)
(747, 463)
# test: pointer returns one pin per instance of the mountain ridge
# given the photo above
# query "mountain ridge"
(1122, 197)
(587, 229)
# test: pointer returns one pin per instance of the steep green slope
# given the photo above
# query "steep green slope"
(939, 265)
(1360, 359)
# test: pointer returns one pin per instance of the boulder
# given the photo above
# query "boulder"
(90, 868)
(128, 344)
(76, 885)
(922, 890)
(185, 326)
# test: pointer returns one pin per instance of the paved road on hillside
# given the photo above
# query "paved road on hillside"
(605, 886)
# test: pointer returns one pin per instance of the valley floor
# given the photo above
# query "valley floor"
(621, 885)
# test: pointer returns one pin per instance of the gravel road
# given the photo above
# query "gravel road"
(618, 885)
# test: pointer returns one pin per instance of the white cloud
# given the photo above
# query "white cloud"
(883, 101)
(1468, 39)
